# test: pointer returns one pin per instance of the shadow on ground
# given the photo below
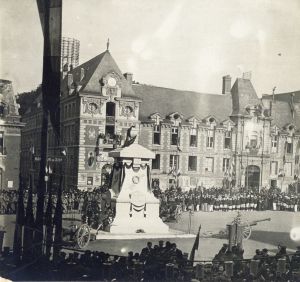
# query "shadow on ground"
(274, 238)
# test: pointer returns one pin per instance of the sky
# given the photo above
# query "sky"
(181, 44)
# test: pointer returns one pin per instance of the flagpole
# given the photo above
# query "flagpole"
(195, 246)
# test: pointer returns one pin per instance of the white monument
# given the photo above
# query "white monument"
(137, 209)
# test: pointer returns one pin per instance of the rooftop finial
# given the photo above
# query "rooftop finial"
(107, 44)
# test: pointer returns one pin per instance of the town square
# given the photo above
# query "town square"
(150, 140)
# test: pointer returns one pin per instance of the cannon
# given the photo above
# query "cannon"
(239, 230)
(247, 227)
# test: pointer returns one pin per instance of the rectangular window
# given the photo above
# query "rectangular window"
(289, 147)
(156, 135)
(1, 143)
(89, 180)
(210, 139)
(193, 137)
(274, 143)
(288, 169)
(209, 164)
(192, 163)
(225, 164)
(174, 136)
(156, 162)
(274, 168)
(227, 141)
(174, 161)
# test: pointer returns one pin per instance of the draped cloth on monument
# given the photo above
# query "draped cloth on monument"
(135, 175)
(117, 178)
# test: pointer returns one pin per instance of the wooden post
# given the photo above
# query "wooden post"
(106, 271)
(281, 265)
(231, 235)
(169, 274)
(199, 271)
(229, 268)
(254, 267)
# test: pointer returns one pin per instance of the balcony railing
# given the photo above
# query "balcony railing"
(110, 120)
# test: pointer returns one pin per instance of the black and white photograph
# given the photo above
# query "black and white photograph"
(150, 140)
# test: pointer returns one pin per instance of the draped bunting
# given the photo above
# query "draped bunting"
(116, 178)
(119, 172)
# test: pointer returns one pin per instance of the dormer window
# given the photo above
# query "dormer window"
(175, 118)
(211, 120)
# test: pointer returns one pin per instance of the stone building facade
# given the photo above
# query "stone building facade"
(231, 138)
(97, 106)
(10, 137)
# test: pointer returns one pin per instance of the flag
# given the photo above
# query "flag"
(17, 245)
(129, 138)
(50, 12)
(28, 226)
(195, 246)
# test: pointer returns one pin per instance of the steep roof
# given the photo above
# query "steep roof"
(285, 97)
(94, 70)
(283, 107)
(243, 95)
(281, 113)
(188, 103)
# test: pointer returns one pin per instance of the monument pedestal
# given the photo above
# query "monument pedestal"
(145, 219)
(137, 210)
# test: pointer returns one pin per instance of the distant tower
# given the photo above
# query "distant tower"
(69, 52)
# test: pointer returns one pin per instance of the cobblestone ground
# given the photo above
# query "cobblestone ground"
(264, 235)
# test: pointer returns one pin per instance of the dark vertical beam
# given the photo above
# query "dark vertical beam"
(51, 20)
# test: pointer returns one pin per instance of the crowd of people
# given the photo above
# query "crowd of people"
(165, 262)
(8, 201)
(197, 199)
(219, 199)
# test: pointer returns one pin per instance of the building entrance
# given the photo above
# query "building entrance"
(252, 177)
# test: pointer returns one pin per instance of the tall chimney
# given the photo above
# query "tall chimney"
(128, 76)
(226, 86)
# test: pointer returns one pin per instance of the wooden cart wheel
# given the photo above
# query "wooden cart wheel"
(247, 231)
(83, 236)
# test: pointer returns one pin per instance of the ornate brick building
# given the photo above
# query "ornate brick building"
(97, 106)
(199, 139)
(10, 137)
